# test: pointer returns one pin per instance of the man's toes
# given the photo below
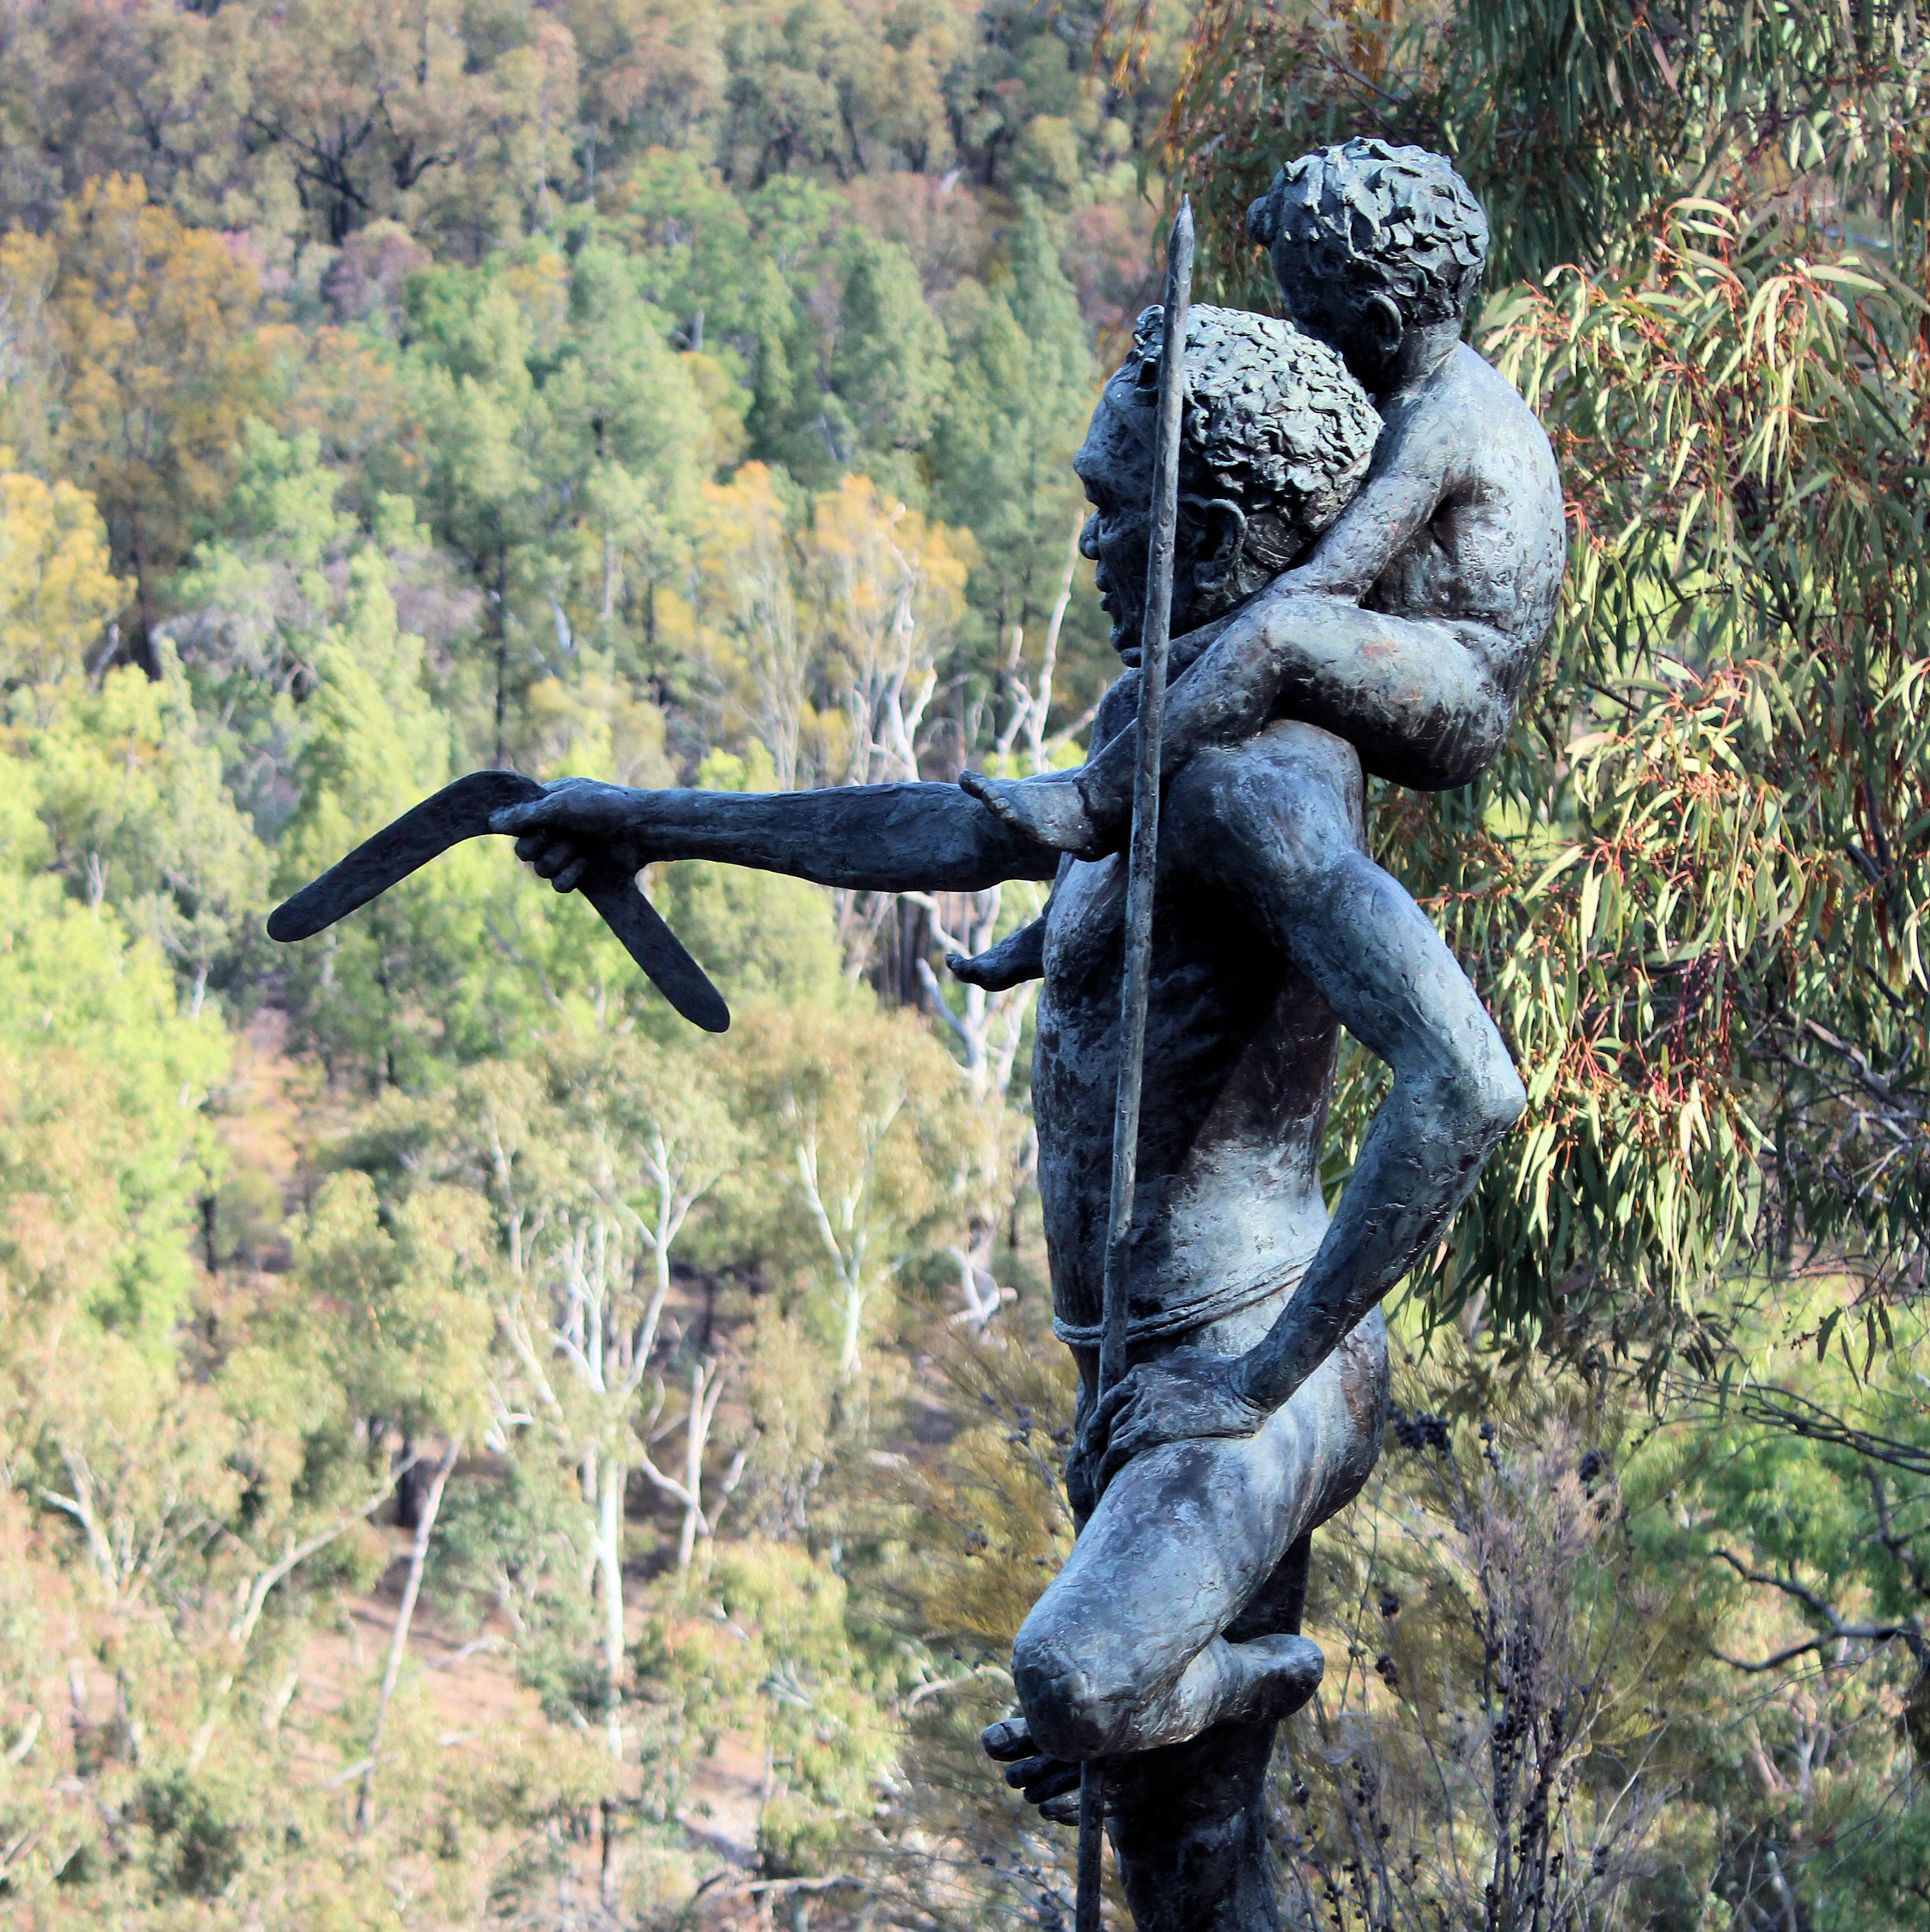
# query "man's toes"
(1010, 1738)
(1028, 1771)
(1056, 1782)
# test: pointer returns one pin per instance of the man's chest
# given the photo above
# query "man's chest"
(1085, 934)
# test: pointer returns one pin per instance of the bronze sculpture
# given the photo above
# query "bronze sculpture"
(1168, 1644)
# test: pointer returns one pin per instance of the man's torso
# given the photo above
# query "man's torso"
(1239, 1055)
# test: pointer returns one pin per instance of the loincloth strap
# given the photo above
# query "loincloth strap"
(1168, 1322)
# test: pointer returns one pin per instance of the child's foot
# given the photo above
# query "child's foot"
(1051, 810)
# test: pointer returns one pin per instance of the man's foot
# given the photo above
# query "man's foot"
(1050, 1783)
(1053, 811)
(1268, 1678)
(1260, 1682)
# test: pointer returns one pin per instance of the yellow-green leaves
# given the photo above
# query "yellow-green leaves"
(57, 591)
(1694, 894)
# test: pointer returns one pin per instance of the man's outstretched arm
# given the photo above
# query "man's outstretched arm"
(897, 837)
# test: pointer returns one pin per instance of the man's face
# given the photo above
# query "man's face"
(1115, 464)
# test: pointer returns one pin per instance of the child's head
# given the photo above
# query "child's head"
(1274, 437)
(1369, 241)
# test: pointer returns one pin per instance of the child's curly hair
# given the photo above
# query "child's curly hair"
(1399, 220)
(1272, 419)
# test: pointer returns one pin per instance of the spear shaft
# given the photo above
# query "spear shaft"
(1142, 862)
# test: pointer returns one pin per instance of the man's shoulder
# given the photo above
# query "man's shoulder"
(1311, 775)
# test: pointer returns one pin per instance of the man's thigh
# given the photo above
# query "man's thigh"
(1187, 1535)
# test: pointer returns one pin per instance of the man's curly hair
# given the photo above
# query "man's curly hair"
(1398, 221)
(1272, 418)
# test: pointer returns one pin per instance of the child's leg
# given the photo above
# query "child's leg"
(1417, 697)
(1226, 695)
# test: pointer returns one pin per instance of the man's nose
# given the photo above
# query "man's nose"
(1088, 538)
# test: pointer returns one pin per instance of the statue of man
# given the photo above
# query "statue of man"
(1258, 1397)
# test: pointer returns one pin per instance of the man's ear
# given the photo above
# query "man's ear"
(1216, 565)
(1380, 321)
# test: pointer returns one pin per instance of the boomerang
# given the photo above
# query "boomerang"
(464, 810)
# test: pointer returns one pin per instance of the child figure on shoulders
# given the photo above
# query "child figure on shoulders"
(1410, 627)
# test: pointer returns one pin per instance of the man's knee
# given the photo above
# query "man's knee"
(1075, 1695)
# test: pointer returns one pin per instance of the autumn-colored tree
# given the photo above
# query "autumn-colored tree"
(92, 88)
(153, 323)
(57, 591)
(416, 113)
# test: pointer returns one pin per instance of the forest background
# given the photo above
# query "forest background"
(473, 1452)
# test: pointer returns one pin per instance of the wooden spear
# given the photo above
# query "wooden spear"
(1142, 860)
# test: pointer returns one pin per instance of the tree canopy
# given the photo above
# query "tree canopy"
(472, 1452)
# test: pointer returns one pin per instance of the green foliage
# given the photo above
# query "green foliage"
(410, 1339)
(1017, 409)
(889, 370)
(1692, 887)
(137, 816)
(385, 394)
(765, 1649)
(1577, 126)
(675, 392)
(102, 1079)
(1702, 956)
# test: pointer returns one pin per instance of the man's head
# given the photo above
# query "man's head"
(1369, 241)
(1274, 437)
